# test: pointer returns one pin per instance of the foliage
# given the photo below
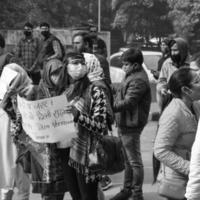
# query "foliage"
(142, 17)
(185, 16)
(59, 13)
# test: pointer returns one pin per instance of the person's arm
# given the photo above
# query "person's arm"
(161, 88)
(18, 49)
(38, 47)
(96, 122)
(115, 87)
(162, 80)
(149, 74)
(134, 94)
(166, 138)
(193, 185)
(57, 51)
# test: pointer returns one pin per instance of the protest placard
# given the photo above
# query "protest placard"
(47, 120)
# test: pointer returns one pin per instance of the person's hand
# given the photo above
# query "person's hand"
(72, 109)
(32, 68)
(79, 104)
(68, 108)
(164, 91)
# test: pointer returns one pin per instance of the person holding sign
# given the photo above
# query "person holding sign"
(49, 172)
(48, 163)
(88, 105)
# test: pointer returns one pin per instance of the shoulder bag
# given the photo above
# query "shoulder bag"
(172, 188)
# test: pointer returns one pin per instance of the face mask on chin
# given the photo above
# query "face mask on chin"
(176, 58)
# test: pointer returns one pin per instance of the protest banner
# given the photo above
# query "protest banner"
(47, 120)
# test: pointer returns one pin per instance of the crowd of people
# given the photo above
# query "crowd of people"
(45, 69)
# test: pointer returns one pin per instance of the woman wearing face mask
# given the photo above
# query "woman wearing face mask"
(177, 129)
(50, 177)
(88, 104)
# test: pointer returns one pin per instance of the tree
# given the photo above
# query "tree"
(143, 18)
(59, 13)
(185, 16)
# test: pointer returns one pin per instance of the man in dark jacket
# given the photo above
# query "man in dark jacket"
(52, 47)
(132, 105)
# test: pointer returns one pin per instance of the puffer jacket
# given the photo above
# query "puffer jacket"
(193, 185)
(176, 134)
(133, 100)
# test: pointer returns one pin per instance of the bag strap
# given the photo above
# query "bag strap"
(164, 174)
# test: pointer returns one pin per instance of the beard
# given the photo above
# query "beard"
(176, 58)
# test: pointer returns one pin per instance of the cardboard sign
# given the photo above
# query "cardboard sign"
(47, 120)
(6, 77)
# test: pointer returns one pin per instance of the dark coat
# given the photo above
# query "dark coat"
(133, 100)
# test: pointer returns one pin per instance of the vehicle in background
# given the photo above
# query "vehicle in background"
(150, 65)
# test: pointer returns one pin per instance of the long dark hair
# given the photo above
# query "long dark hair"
(180, 78)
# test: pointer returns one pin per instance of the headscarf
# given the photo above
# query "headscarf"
(95, 72)
(21, 84)
(49, 68)
(183, 49)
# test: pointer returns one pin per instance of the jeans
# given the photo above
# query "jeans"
(134, 171)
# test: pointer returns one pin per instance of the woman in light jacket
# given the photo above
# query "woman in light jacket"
(177, 127)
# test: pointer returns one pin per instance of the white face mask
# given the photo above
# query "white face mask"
(76, 71)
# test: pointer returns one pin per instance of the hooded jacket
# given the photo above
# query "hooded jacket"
(169, 67)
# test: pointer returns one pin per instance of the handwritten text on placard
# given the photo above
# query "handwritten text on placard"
(47, 120)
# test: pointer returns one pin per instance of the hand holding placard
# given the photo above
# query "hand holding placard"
(46, 120)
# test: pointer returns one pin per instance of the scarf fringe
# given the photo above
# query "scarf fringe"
(89, 177)
(77, 166)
